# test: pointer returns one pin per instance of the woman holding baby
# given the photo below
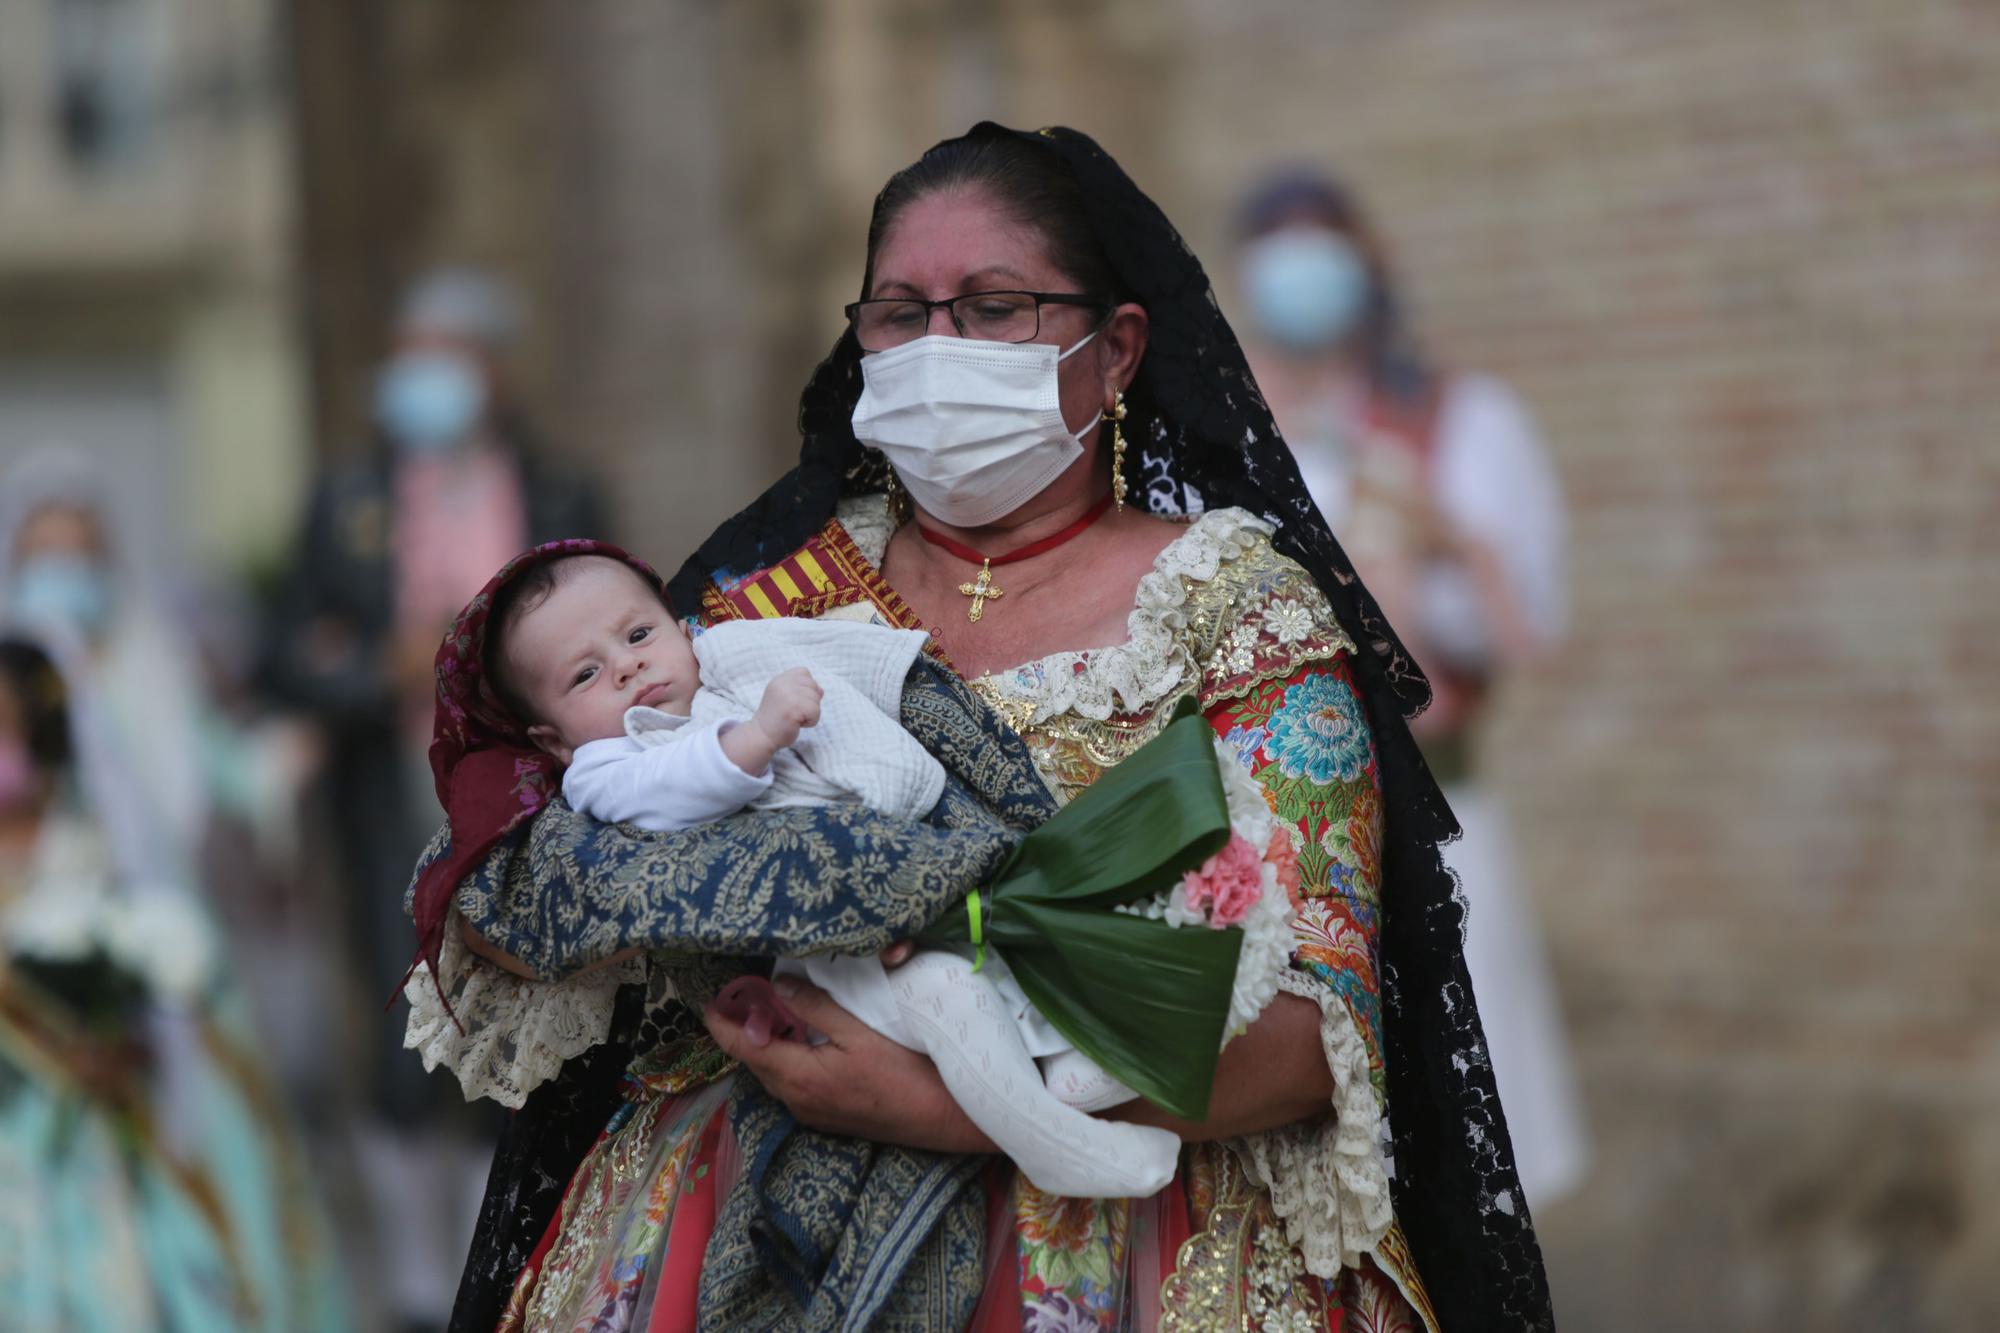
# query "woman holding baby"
(1038, 441)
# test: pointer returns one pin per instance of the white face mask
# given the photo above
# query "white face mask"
(973, 428)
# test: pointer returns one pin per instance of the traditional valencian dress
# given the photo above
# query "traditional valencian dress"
(642, 1184)
(1294, 1222)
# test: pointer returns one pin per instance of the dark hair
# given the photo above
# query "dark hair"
(38, 688)
(516, 599)
(1031, 183)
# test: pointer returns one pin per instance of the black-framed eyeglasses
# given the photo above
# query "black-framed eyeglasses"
(1001, 317)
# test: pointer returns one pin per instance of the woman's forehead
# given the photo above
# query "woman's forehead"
(956, 241)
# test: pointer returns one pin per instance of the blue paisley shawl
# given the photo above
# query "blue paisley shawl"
(821, 1232)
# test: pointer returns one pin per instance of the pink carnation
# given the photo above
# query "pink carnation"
(1228, 884)
(1285, 859)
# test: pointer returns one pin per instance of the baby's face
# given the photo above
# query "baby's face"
(600, 643)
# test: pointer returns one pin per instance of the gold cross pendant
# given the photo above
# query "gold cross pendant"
(981, 591)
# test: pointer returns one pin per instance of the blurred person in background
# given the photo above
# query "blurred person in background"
(393, 545)
(63, 573)
(1440, 489)
(147, 1176)
(216, 782)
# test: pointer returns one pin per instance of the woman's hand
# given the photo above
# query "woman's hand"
(859, 1083)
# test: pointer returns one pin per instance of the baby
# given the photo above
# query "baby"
(666, 732)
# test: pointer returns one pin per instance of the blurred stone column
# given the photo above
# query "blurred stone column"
(658, 370)
(426, 134)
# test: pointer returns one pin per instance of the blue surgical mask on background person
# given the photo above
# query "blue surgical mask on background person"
(1307, 289)
(69, 592)
(430, 400)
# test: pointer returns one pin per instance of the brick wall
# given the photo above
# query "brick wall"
(1743, 259)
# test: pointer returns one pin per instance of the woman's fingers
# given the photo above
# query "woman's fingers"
(787, 1069)
(859, 1083)
(820, 1011)
(796, 1072)
(898, 953)
(750, 1036)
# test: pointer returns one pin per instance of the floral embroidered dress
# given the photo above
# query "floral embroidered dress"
(1290, 1229)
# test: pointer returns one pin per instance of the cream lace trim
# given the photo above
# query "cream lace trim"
(512, 1034)
(1328, 1178)
(1131, 677)
(1128, 677)
(869, 527)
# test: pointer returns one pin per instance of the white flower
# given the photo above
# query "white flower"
(1176, 911)
(159, 935)
(1289, 1320)
(1248, 815)
(1267, 929)
(1267, 951)
(1239, 650)
(56, 923)
(1288, 621)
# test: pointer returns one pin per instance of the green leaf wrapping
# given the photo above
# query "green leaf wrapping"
(1147, 1001)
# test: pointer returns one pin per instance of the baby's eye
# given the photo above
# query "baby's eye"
(583, 677)
(640, 633)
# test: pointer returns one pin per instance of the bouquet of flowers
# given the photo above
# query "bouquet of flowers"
(105, 955)
(1251, 884)
(85, 961)
(1150, 918)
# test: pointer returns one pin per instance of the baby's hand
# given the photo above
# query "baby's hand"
(790, 704)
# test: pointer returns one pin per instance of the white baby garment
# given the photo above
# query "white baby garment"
(669, 773)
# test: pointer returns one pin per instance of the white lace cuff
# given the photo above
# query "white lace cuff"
(1329, 1178)
(512, 1034)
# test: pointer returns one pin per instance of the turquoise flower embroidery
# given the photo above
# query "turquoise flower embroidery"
(1320, 733)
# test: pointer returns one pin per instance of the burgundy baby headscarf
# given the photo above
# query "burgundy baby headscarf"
(491, 779)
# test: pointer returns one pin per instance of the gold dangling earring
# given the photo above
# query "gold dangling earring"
(1114, 416)
(899, 500)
